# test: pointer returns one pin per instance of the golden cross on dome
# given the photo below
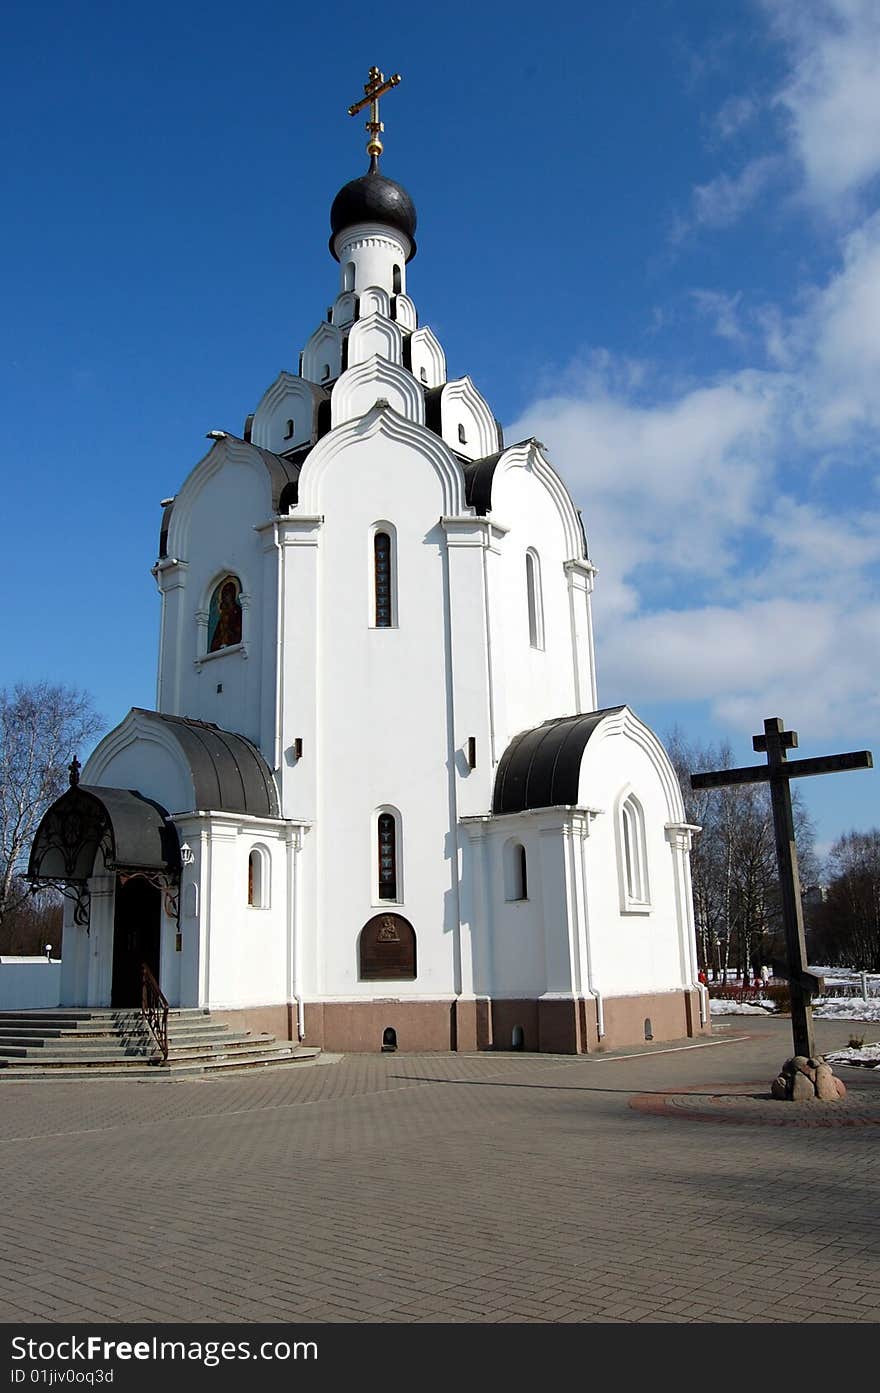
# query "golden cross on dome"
(377, 86)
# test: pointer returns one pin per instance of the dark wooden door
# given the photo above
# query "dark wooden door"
(135, 939)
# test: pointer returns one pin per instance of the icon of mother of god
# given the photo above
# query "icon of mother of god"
(224, 617)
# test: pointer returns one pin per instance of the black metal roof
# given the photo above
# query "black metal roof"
(228, 772)
(136, 834)
(478, 476)
(374, 198)
(541, 768)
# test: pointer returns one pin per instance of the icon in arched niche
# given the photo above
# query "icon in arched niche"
(387, 949)
(224, 614)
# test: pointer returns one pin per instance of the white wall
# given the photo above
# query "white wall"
(383, 730)
(537, 683)
(212, 534)
(234, 954)
(29, 983)
(638, 950)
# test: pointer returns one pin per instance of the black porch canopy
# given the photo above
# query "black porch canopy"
(90, 830)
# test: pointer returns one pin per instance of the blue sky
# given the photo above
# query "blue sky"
(650, 233)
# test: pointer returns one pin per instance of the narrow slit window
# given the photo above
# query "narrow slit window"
(516, 882)
(258, 879)
(383, 600)
(534, 600)
(462, 434)
(387, 851)
(396, 280)
(288, 431)
(635, 860)
(348, 276)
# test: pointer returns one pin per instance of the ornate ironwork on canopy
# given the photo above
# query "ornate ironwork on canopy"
(94, 831)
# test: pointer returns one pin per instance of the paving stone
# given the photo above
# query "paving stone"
(495, 1188)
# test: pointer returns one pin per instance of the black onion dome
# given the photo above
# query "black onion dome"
(373, 198)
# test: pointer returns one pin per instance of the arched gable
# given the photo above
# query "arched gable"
(623, 723)
(322, 355)
(374, 300)
(362, 386)
(404, 312)
(427, 359)
(529, 455)
(375, 335)
(466, 422)
(199, 765)
(143, 755)
(382, 421)
(289, 398)
(345, 307)
(272, 472)
(553, 764)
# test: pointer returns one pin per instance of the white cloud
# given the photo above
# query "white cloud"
(835, 343)
(720, 575)
(767, 656)
(723, 310)
(734, 114)
(830, 100)
(724, 199)
(832, 95)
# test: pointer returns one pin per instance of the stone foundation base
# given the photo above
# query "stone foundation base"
(803, 1080)
(555, 1025)
(279, 1021)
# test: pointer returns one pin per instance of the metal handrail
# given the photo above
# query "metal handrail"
(154, 1008)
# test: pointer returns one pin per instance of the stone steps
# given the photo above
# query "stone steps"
(107, 1043)
(141, 1069)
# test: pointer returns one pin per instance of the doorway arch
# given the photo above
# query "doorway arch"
(136, 938)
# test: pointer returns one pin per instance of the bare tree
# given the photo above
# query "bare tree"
(711, 851)
(42, 726)
(733, 862)
(845, 926)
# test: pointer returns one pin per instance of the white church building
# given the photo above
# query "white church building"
(377, 801)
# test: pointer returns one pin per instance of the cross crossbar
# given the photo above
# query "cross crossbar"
(376, 87)
(789, 769)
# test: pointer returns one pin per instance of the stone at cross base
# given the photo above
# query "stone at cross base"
(804, 1080)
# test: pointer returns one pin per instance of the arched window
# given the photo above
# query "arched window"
(516, 882)
(224, 614)
(348, 276)
(258, 878)
(534, 599)
(325, 372)
(634, 857)
(384, 579)
(462, 434)
(288, 430)
(395, 280)
(386, 856)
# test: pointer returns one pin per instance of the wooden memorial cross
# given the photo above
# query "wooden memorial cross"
(777, 772)
(377, 86)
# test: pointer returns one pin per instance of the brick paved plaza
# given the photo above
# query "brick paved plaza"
(443, 1188)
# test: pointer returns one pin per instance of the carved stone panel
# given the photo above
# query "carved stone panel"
(387, 949)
